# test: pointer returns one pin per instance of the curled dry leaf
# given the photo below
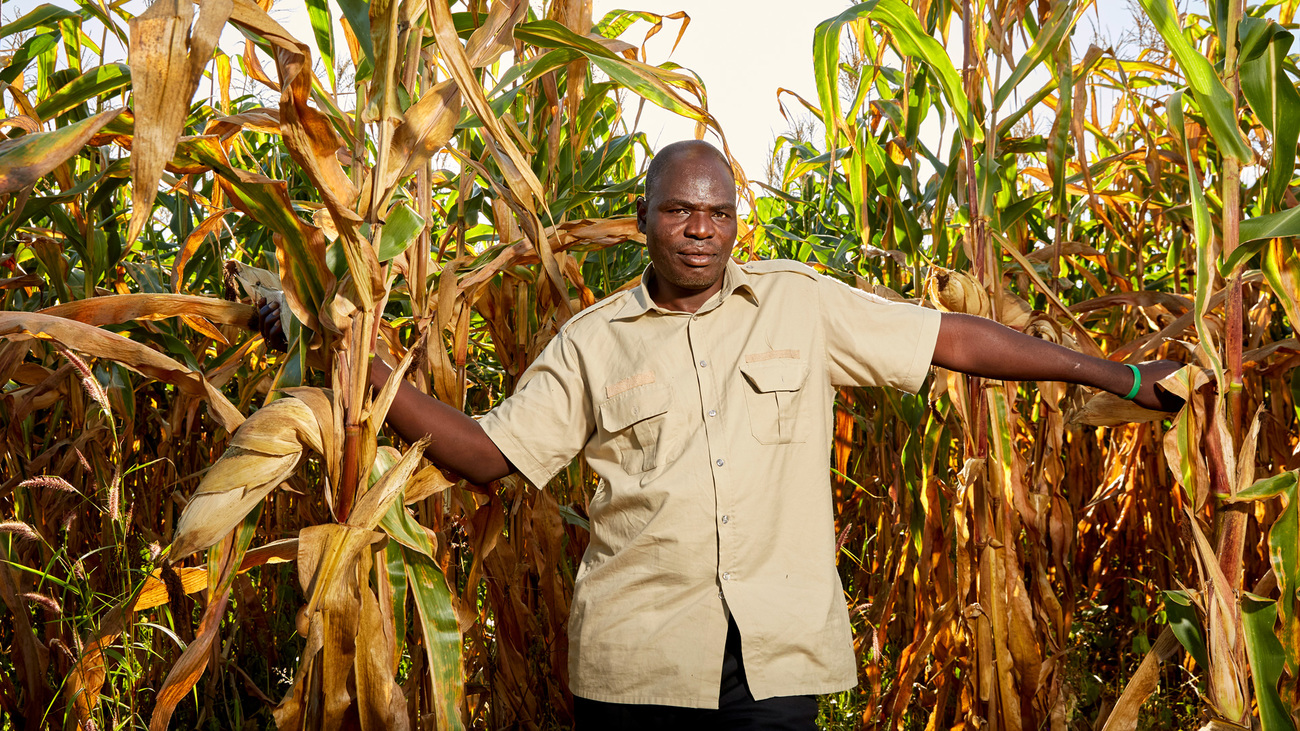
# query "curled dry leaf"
(956, 291)
(263, 453)
(429, 124)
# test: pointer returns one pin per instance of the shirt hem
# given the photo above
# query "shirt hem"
(710, 703)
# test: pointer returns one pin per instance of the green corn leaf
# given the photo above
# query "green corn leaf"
(400, 231)
(322, 26)
(42, 16)
(1211, 96)
(1204, 235)
(395, 563)
(1186, 627)
(646, 85)
(1284, 557)
(910, 40)
(1282, 270)
(550, 34)
(95, 82)
(356, 13)
(32, 48)
(26, 159)
(652, 84)
(441, 635)
(1266, 663)
(1266, 488)
(1274, 99)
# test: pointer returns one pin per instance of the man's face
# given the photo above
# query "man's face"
(689, 221)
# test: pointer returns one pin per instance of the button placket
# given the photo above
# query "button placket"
(714, 436)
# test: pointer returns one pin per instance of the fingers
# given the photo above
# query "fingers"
(270, 325)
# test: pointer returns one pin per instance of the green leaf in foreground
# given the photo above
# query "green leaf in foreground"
(1266, 663)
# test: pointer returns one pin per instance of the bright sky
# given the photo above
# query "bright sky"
(744, 50)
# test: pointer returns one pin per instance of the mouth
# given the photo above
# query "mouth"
(696, 259)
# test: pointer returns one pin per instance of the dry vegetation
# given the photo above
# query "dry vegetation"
(198, 533)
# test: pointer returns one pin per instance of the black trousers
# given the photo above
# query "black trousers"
(737, 709)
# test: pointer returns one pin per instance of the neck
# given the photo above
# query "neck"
(678, 299)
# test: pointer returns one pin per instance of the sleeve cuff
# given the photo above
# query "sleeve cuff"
(519, 457)
(923, 355)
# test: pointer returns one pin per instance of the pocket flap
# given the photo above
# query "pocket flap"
(776, 375)
(635, 404)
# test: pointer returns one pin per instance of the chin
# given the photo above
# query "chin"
(697, 279)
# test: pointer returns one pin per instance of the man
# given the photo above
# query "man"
(708, 596)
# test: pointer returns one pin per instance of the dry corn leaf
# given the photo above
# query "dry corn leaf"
(120, 308)
(426, 483)
(167, 60)
(92, 341)
(210, 225)
(1124, 716)
(375, 502)
(429, 124)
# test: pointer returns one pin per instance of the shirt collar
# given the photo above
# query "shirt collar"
(734, 280)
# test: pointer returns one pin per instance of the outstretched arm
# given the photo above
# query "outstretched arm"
(982, 347)
(456, 441)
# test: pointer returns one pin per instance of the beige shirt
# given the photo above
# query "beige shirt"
(712, 435)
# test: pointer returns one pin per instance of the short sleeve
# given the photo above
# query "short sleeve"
(871, 341)
(549, 418)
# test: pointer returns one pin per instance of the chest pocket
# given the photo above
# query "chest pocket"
(635, 420)
(772, 390)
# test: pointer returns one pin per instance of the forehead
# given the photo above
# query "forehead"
(695, 177)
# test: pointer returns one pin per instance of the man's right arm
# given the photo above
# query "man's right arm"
(456, 441)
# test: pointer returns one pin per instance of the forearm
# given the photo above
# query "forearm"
(456, 441)
(982, 347)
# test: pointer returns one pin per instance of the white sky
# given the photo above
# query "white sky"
(744, 50)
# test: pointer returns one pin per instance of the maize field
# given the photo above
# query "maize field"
(199, 532)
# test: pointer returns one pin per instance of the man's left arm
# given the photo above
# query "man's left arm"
(981, 347)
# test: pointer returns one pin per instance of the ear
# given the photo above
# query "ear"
(640, 214)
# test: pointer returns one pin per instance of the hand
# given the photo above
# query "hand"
(266, 321)
(1151, 395)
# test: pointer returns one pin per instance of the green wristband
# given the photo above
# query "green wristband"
(1137, 382)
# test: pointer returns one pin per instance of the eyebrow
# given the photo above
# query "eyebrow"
(678, 202)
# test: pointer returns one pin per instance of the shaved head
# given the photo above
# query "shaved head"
(680, 152)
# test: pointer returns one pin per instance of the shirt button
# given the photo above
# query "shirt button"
(704, 364)
(713, 412)
(726, 576)
(721, 462)
(725, 518)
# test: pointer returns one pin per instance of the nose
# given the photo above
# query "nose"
(699, 225)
